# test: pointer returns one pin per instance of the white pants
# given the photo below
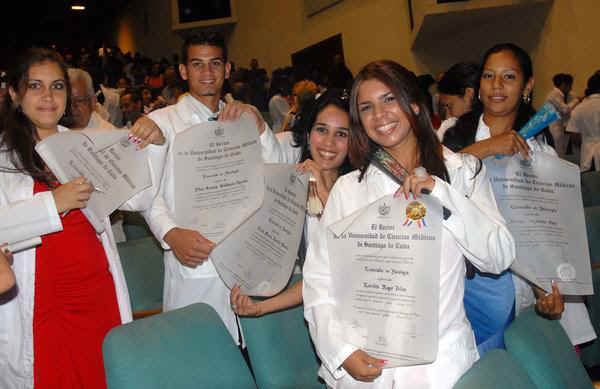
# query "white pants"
(180, 292)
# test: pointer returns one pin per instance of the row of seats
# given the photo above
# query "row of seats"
(190, 347)
(538, 354)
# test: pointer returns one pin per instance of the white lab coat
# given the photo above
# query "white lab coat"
(475, 229)
(575, 319)
(183, 285)
(16, 315)
(585, 120)
(557, 129)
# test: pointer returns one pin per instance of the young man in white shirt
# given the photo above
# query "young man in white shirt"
(190, 276)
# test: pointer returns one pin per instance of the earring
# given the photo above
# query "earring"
(527, 98)
(479, 95)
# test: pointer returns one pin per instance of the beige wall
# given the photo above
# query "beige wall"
(271, 30)
(145, 26)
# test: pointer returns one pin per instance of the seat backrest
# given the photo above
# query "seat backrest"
(590, 188)
(543, 350)
(592, 225)
(280, 349)
(143, 265)
(495, 370)
(590, 352)
(134, 225)
(184, 348)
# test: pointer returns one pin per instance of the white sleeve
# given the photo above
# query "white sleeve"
(318, 302)
(29, 218)
(476, 223)
(159, 218)
(271, 149)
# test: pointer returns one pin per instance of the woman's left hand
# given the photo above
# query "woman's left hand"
(311, 166)
(145, 131)
(415, 184)
(551, 305)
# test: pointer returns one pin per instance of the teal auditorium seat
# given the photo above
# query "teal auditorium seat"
(135, 226)
(280, 349)
(143, 265)
(590, 188)
(590, 352)
(592, 224)
(185, 348)
(542, 349)
(495, 370)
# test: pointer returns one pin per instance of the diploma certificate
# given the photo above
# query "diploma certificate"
(219, 178)
(385, 268)
(541, 201)
(261, 253)
(106, 158)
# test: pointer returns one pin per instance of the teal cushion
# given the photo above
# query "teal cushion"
(280, 349)
(592, 224)
(543, 350)
(590, 188)
(590, 352)
(185, 348)
(143, 265)
(495, 370)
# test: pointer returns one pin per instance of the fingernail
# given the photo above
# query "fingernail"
(406, 196)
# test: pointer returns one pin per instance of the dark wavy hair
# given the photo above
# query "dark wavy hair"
(458, 78)
(403, 85)
(308, 116)
(18, 134)
(462, 134)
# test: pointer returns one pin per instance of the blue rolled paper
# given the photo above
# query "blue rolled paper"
(542, 119)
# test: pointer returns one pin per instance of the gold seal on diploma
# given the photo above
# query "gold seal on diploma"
(415, 211)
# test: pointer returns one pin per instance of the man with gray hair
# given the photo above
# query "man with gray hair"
(83, 102)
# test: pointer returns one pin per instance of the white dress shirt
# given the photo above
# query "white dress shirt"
(585, 120)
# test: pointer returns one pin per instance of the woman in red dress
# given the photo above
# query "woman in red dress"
(70, 289)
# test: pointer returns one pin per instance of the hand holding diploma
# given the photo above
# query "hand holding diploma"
(72, 195)
(363, 367)
(145, 132)
(189, 246)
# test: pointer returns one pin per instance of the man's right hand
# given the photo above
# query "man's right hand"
(363, 367)
(190, 248)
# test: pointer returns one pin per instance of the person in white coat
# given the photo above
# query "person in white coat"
(39, 96)
(388, 111)
(505, 87)
(564, 102)
(319, 144)
(585, 121)
(190, 276)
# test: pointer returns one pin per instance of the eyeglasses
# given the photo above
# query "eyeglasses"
(80, 100)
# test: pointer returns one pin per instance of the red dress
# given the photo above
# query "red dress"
(75, 306)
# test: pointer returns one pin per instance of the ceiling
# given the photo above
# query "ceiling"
(53, 22)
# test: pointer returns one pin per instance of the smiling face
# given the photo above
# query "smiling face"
(44, 98)
(205, 71)
(503, 84)
(382, 117)
(328, 138)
